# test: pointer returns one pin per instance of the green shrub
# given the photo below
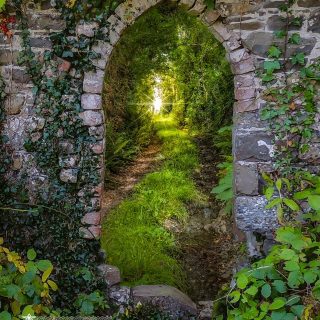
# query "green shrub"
(25, 286)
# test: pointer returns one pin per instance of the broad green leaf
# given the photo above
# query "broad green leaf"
(280, 286)
(314, 202)
(44, 265)
(291, 204)
(292, 266)
(293, 300)
(295, 38)
(46, 274)
(310, 276)
(31, 254)
(302, 194)
(252, 291)
(277, 303)
(242, 281)
(297, 310)
(274, 52)
(266, 290)
(2, 4)
(28, 310)
(269, 193)
(273, 203)
(5, 315)
(235, 296)
(299, 58)
(87, 308)
(53, 285)
(271, 66)
(287, 254)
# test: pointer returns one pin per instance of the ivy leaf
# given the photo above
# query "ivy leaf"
(87, 308)
(298, 58)
(31, 254)
(270, 66)
(266, 290)
(280, 34)
(274, 52)
(295, 38)
(44, 265)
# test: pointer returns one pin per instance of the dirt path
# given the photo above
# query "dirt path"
(124, 181)
(209, 251)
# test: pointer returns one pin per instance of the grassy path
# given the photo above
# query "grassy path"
(134, 234)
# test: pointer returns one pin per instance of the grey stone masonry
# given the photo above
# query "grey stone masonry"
(245, 29)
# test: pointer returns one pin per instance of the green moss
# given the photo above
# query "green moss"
(134, 236)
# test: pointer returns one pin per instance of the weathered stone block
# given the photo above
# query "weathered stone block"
(69, 175)
(87, 29)
(68, 162)
(246, 80)
(312, 155)
(246, 179)
(120, 296)
(248, 25)
(98, 147)
(91, 118)
(308, 3)
(14, 103)
(232, 44)
(91, 102)
(253, 146)
(239, 55)
(168, 299)
(97, 132)
(219, 30)
(92, 232)
(102, 48)
(243, 67)
(41, 42)
(17, 161)
(314, 21)
(277, 22)
(244, 93)
(198, 8)
(51, 21)
(210, 16)
(187, 3)
(92, 218)
(251, 215)
(93, 82)
(110, 273)
(66, 147)
(116, 24)
(246, 105)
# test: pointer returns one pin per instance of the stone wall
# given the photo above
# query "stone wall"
(245, 29)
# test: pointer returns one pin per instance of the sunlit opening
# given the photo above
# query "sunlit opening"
(157, 100)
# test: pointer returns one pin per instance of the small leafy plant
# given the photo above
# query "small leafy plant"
(25, 286)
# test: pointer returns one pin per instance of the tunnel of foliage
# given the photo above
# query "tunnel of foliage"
(169, 55)
(169, 46)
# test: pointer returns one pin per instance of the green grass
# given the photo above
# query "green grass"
(133, 233)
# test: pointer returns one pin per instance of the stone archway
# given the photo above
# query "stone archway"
(248, 145)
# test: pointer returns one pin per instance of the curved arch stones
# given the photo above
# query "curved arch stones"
(245, 29)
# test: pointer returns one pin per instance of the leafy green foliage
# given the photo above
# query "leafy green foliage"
(88, 304)
(145, 252)
(285, 284)
(2, 4)
(224, 190)
(25, 287)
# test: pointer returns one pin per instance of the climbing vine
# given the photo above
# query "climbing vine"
(286, 284)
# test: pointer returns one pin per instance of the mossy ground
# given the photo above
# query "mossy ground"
(134, 235)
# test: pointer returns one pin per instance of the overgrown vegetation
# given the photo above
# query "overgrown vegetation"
(286, 284)
(134, 235)
(169, 49)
